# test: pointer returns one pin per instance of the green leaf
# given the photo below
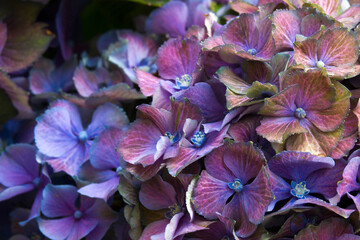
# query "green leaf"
(155, 3)
(7, 110)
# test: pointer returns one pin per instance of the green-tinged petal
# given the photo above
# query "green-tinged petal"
(232, 81)
(315, 141)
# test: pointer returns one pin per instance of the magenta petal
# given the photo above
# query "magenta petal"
(256, 197)
(349, 182)
(216, 166)
(178, 57)
(56, 228)
(160, 117)
(157, 194)
(210, 195)
(305, 52)
(173, 225)
(170, 19)
(107, 115)
(185, 157)
(18, 165)
(186, 226)
(242, 32)
(350, 18)
(312, 23)
(338, 47)
(145, 173)
(287, 25)
(86, 81)
(102, 190)
(138, 147)
(235, 210)
(154, 228)
(244, 160)
(147, 82)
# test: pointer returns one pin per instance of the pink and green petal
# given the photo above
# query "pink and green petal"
(154, 228)
(281, 104)
(330, 119)
(232, 81)
(312, 23)
(338, 47)
(350, 18)
(325, 93)
(243, 6)
(177, 58)
(210, 195)
(286, 26)
(315, 141)
(137, 147)
(26, 40)
(305, 53)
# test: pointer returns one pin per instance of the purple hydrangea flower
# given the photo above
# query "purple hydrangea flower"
(63, 219)
(235, 178)
(59, 133)
(106, 165)
(305, 175)
(19, 173)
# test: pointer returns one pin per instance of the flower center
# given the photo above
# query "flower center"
(236, 185)
(37, 181)
(300, 113)
(198, 138)
(119, 170)
(173, 210)
(83, 136)
(252, 51)
(183, 82)
(320, 64)
(173, 138)
(77, 214)
(299, 190)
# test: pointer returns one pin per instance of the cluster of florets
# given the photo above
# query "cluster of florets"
(214, 120)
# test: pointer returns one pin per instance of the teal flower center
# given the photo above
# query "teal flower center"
(119, 170)
(183, 82)
(252, 51)
(299, 190)
(83, 136)
(320, 64)
(77, 214)
(236, 185)
(198, 138)
(300, 113)
(173, 138)
(36, 181)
